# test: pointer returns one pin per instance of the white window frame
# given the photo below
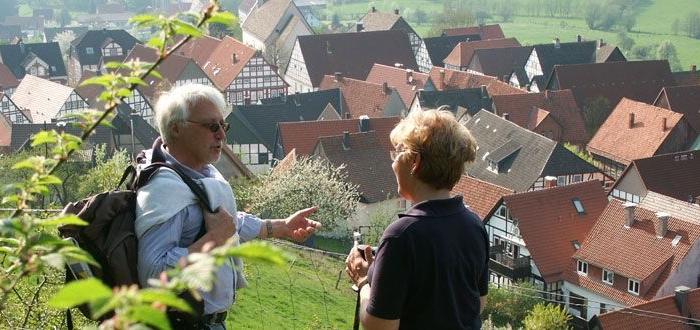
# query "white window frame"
(576, 178)
(582, 267)
(89, 50)
(633, 286)
(606, 274)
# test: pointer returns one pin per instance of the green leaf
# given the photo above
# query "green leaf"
(155, 42)
(144, 20)
(102, 306)
(49, 179)
(223, 17)
(30, 163)
(185, 28)
(136, 81)
(166, 297)
(69, 219)
(116, 65)
(79, 292)
(124, 92)
(103, 80)
(74, 253)
(44, 137)
(150, 316)
(54, 260)
(9, 241)
(260, 251)
(155, 74)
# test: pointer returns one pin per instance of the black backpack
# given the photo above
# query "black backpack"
(110, 236)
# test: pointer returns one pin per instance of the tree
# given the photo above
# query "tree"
(506, 10)
(307, 182)
(644, 52)
(595, 112)
(379, 219)
(667, 51)
(335, 21)
(420, 16)
(691, 24)
(509, 305)
(452, 16)
(65, 17)
(105, 174)
(676, 26)
(547, 316)
(64, 39)
(624, 41)
(591, 14)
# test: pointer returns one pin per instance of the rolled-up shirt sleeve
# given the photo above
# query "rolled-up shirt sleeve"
(159, 247)
(248, 226)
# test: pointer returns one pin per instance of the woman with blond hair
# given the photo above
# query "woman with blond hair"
(431, 267)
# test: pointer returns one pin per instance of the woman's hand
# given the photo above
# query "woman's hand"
(357, 265)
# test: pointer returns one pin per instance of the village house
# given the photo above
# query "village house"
(654, 131)
(45, 101)
(543, 57)
(351, 54)
(11, 112)
(680, 311)
(253, 130)
(406, 81)
(446, 79)
(440, 47)
(632, 255)
(239, 71)
(533, 235)
(515, 158)
(553, 114)
(273, 26)
(690, 77)
(463, 103)
(5, 136)
(682, 99)
(38, 59)
(485, 32)
(461, 55)
(479, 196)
(500, 62)
(136, 102)
(22, 134)
(361, 98)
(379, 21)
(675, 175)
(302, 136)
(368, 166)
(93, 49)
(8, 81)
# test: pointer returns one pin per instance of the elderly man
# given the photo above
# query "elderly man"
(169, 218)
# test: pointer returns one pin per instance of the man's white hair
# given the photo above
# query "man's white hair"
(177, 105)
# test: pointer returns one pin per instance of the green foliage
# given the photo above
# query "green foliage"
(547, 316)
(454, 14)
(581, 153)
(105, 175)
(643, 52)
(379, 218)
(667, 51)
(595, 112)
(624, 41)
(509, 305)
(691, 24)
(308, 182)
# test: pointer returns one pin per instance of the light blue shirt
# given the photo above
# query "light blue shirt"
(163, 245)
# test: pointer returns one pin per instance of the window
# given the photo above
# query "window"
(577, 178)
(89, 51)
(608, 277)
(603, 308)
(582, 267)
(578, 205)
(633, 287)
(502, 212)
(561, 181)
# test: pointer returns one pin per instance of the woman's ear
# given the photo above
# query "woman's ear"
(416, 163)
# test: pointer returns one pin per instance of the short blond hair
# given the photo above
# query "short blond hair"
(444, 144)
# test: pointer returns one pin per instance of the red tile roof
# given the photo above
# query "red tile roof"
(549, 223)
(303, 135)
(170, 69)
(675, 175)
(221, 67)
(682, 99)
(560, 104)
(485, 31)
(454, 79)
(462, 54)
(7, 79)
(635, 252)
(406, 81)
(480, 196)
(635, 317)
(612, 140)
(193, 49)
(359, 97)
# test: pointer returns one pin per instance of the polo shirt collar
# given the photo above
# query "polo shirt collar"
(436, 207)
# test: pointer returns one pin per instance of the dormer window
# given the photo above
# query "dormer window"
(578, 205)
(633, 286)
(501, 158)
(89, 50)
(112, 49)
(608, 277)
(582, 267)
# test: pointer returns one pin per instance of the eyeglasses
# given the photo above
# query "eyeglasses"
(213, 127)
(394, 154)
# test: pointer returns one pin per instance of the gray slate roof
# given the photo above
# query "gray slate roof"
(96, 39)
(14, 55)
(439, 47)
(524, 156)
(472, 99)
(21, 133)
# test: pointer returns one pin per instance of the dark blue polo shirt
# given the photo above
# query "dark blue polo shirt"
(431, 268)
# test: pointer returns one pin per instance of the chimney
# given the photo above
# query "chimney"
(359, 26)
(364, 123)
(506, 116)
(234, 58)
(664, 124)
(557, 44)
(631, 120)
(329, 50)
(246, 100)
(693, 68)
(338, 76)
(600, 43)
(662, 225)
(409, 75)
(629, 212)
(346, 140)
(385, 88)
(578, 38)
(441, 83)
(681, 298)
(348, 115)
(550, 182)
(396, 11)
(374, 9)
